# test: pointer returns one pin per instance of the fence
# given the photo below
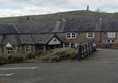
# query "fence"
(86, 49)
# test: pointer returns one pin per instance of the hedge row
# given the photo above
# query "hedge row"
(53, 55)
(16, 58)
(58, 54)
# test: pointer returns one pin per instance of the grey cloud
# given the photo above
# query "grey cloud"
(12, 1)
(49, 2)
(44, 6)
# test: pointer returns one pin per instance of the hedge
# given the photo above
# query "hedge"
(58, 54)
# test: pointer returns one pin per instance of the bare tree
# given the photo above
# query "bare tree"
(98, 13)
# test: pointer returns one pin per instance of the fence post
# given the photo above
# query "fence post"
(79, 53)
(85, 49)
(93, 47)
(83, 53)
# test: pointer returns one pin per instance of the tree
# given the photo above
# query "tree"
(98, 13)
(28, 18)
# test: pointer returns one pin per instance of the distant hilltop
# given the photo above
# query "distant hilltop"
(59, 16)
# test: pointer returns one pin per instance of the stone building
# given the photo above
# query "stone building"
(34, 36)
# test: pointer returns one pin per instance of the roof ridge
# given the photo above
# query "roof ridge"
(15, 28)
(18, 33)
(33, 38)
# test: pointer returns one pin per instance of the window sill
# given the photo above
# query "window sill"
(70, 38)
(90, 37)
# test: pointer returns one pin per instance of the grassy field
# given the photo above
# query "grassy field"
(60, 15)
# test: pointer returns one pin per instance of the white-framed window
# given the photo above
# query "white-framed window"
(90, 35)
(27, 48)
(70, 45)
(111, 34)
(65, 45)
(71, 35)
(110, 41)
(9, 50)
(74, 45)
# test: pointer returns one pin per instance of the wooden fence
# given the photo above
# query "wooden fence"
(85, 49)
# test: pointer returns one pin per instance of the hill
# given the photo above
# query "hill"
(60, 15)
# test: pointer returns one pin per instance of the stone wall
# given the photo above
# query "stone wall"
(80, 38)
(100, 38)
(107, 46)
(16, 49)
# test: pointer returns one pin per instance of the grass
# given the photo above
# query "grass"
(61, 15)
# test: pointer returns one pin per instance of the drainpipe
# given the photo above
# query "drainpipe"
(100, 20)
(69, 45)
(63, 45)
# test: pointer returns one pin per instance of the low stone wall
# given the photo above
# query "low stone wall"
(108, 46)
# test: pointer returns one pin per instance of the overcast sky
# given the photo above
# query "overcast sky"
(37, 7)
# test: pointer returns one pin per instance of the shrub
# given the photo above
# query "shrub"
(18, 57)
(39, 52)
(28, 56)
(59, 54)
(69, 52)
(15, 58)
(3, 59)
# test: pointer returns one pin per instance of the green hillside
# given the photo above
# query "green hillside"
(60, 15)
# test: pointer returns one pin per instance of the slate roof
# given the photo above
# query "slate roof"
(42, 38)
(68, 25)
(35, 38)
(26, 39)
(81, 25)
(12, 39)
(109, 25)
(15, 39)
(91, 25)
(7, 29)
(35, 27)
(41, 32)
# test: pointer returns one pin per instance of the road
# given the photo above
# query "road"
(100, 67)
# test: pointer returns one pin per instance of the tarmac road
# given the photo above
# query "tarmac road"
(101, 67)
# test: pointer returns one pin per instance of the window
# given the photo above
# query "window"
(74, 45)
(110, 41)
(71, 35)
(71, 45)
(9, 50)
(111, 34)
(65, 45)
(90, 35)
(28, 48)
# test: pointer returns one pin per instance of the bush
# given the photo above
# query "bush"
(28, 56)
(15, 58)
(59, 54)
(3, 59)
(39, 52)
(66, 53)
(53, 55)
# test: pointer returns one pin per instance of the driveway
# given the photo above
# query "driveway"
(100, 67)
